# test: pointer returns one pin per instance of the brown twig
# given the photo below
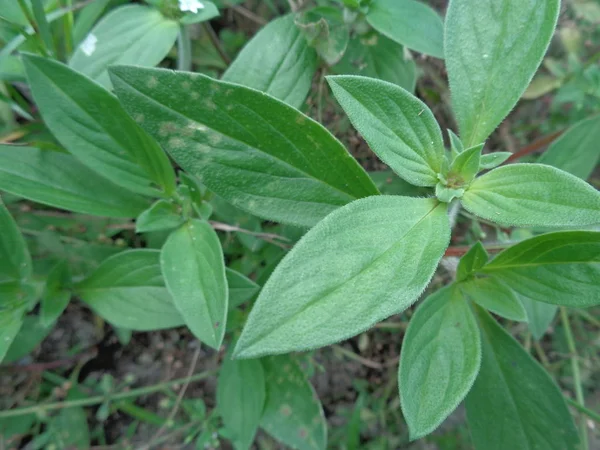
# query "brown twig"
(216, 42)
(268, 237)
(40, 367)
(534, 146)
(460, 250)
(249, 14)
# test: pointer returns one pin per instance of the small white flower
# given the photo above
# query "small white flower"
(88, 46)
(190, 5)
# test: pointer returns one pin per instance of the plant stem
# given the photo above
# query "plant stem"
(588, 412)
(534, 146)
(184, 49)
(102, 398)
(215, 41)
(576, 374)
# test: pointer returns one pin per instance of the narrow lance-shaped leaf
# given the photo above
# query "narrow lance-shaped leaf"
(59, 180)
(526, 195)
(491, 160)
(15, 260)
(560, 268)
(57, 293)
(492, 50)
(440, 358)
(256, 152)
(514, 403)
(194, 270)
(472, 261)
(398, 127)
(539, 316)
(361, 264)
(241, 288)
(92, 125)
(494, 295)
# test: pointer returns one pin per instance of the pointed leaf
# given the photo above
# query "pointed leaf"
(10, 324)
(278, 61)
(256, 152)
(456, 144)
(293, 413)
(241, 288)
(492, 50)
(56, 294)
(59, 180)
(440, 358)
(494, 296)
(472, 261)
(397, 126)
(540, 315)
(560, 268)
(465, 166)
(194, 270)
(325, 30)
(162, 215)
(513, 392)
(15, 260)
(526, 195)
(31, 334)
(492, 160)
(361, 264)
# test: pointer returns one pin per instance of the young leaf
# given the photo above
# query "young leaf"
(374, 55)
(495, 296)
(293, 414)
(131, 34)
(31, 334)
(278, 61)
(10, 324)
(410, 23)
(241, 288)
(240, 399)
(15, 260)
(472, 261)
(128, 290)
(194, 270)
(59, 180)
(256, 152)
(69, 429)
(325, 30)
(514, 403)
(456, 144)
(92, 125)
(560, 268)
(465, 166)
(361, 264)
(540, 316)
(527, 195)
(492, 160)
(492, 51)
(397, 126)
(56, 294)
(440, 358)
(162, 215)
(576, 151)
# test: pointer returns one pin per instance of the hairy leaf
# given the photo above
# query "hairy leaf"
(465, 166)
(162, 215)
(471, 262)
(495, 296)
(361, 264)
(540, 315)
(15, 260)
(241, 288)
(325, 30)
(491, 160)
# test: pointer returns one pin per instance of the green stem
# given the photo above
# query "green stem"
(184, 49)
(576, 374)
(34, 26)
(588, 412)
(102, 398)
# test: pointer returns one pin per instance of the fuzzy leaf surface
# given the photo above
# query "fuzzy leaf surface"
(472, 261)
(495, 296)
(15, 260)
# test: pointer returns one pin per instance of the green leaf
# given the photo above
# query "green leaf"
(410, 23)
(131, 34)
(540, 316)
(162, 215)
(240, 399)
(278, 61)
(446, 194)
(397, 126)
(10, 324)
(86, 18)
(576, 151)
(361, 264)
(59, 180)
(492, 51)
(465, 166)
(292, 414)
(439, 361)
(561, 268)
(526, 195)
(15, 260)
(456, 144)
(209, 11)
(194, 270)
(391, 184)
(259, 154)
(472, 261)
(69, 429)
(241, 288)
(31, 334)
(514, 403)
(91, 124)
(128, 291)
(495, 296)
(492, 160)
(56, 294)
(325, 30)
(374, 55)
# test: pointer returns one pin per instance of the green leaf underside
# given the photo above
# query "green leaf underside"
(258, 153)
(278, 61)
(241, 288)
(361, 264)
(162, 215)
(561, 268)
(440, 358)
(132, 34)
(398, 127)
(514, 404)
(128, 290)
(59, 180)
(527, 195)
(241, 398)
(577, 151)
(409, 23)
(492, 50)
(91, 124)
(472, 261)
(540, 316)
(194, 271)
(293, 413)
(496, 297)
(15, 260)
